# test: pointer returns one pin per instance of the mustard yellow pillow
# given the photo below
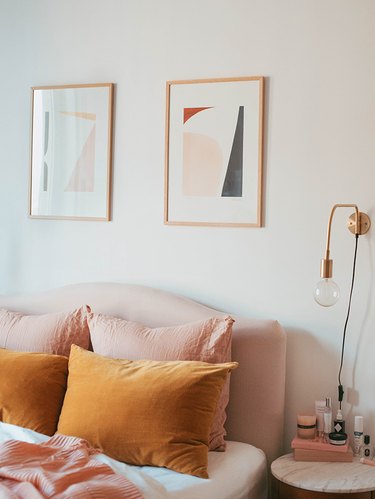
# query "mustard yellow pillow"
(144, 412)
(32, 389)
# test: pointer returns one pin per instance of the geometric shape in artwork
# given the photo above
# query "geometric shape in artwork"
(46, 130)
(83, 176)
(202, 165)
(232, 186)
(45, 176)
(191, 111)
(45, 149)
(84, 116)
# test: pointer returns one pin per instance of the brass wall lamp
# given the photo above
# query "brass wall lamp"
(327, 292)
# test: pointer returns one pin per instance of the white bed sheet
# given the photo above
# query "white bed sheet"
(238, 473)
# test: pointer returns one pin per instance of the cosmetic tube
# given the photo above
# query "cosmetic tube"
(370, 462)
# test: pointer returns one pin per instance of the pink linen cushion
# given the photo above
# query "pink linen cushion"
(52, 333)
(206, 341)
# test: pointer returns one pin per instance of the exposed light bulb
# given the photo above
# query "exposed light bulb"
(326, 292)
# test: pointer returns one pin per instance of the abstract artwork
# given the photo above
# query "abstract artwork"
(71, 148)
(214, 141)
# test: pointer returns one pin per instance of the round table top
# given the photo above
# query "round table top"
(324, 477)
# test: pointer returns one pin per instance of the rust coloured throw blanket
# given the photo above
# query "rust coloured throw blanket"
(61, 468)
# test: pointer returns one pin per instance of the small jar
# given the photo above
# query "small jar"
(306, 426)
(337, 438)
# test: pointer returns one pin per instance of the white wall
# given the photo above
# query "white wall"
(318, 57)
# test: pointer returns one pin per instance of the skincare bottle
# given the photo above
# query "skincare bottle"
(320, 406)
(327, 419)
(339, 423)
(366, 449)
(358, 434)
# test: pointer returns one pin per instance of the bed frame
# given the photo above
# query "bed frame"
(256, 408)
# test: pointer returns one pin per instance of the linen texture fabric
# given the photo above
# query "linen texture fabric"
(47, 333)
(32, 389)
(145, 412)
(207, 341)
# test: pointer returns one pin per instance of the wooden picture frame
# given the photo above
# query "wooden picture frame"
(71, 152)
(214, 152)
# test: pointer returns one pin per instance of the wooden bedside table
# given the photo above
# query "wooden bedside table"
(315, 480)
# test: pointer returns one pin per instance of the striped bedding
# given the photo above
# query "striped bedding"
(62, 468)
(238, 473)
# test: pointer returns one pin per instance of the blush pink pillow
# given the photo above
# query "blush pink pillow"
(48, 333)
(207, 341)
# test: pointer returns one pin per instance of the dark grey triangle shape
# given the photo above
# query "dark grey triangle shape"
(232, 186)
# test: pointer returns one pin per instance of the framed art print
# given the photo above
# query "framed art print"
(71, 152)
(214, 142)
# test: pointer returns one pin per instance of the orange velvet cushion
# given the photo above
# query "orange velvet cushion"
(32, 389)
(208, 340)
(144, 412)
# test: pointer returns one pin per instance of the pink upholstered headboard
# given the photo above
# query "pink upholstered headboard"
(256, 408)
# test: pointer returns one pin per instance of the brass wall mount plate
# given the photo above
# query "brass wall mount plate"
(364, 223)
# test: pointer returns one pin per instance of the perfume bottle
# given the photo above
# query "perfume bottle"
(327, 419)
(319, 411)
(367, 450)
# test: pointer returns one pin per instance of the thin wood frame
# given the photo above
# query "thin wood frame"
(101, 163)
(174, 84)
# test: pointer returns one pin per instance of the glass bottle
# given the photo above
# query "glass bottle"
(327, 419)
(339, 423)
(367, 450)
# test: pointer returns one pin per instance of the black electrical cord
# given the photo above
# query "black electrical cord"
(340, 387)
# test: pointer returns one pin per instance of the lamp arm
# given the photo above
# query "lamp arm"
(331, 217)
(326, 263)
